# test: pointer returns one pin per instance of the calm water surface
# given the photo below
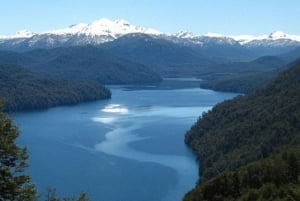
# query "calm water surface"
(129, 148)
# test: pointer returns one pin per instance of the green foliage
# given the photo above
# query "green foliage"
(25, 90)
(274, 178)
(250, 128)
(14, 184)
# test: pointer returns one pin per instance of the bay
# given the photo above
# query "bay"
(129, 148)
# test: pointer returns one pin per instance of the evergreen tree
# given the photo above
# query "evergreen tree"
(14, 184)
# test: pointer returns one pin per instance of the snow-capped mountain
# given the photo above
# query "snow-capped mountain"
(105, 30)
(97, 32)
(105, 27)
(275, 39)
(20, 34)
(101, 27)
(276, 35)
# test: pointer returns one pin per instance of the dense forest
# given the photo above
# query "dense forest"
(248, 128)
(274, 178)
(22, 89)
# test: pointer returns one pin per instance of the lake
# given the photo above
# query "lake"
(128, 148)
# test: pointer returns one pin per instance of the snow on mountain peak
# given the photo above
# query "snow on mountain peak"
(277, 35)
(22, 34)
(103, 30)
(214, 35)
(19, 34)
(105, 27)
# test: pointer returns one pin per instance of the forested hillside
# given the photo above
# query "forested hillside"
(274, 178)
(82, 63)
(249, 128)
(22, 89)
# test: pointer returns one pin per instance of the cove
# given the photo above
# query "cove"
(128, 148)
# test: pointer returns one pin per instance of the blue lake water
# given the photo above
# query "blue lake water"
(129, 148)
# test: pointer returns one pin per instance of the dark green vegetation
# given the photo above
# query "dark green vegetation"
(248, 128)
(271, 179)
(14, 184)
(82, 63)
(24, 90)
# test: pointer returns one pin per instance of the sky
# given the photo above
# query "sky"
(228, 17)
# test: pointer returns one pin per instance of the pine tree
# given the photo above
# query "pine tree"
(15, 185)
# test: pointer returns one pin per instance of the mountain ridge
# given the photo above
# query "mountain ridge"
(105, 30)
(105, 26)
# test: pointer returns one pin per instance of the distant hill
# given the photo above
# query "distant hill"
(82, 63)
(245, 77)
(249, 128)
(22, 89)
(164, 56)
(239, 83)
(210, 58)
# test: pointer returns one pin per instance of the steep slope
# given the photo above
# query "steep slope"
(22, 89)
(249, 128)
(82, 63)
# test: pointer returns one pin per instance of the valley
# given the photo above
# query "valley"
(113, 104)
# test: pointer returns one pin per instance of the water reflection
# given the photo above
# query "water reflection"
(125, 129)
(115, 108)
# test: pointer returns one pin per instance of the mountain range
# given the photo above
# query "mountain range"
(105, 30)
(117, 52)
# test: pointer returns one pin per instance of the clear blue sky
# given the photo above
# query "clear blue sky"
(230, 17)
